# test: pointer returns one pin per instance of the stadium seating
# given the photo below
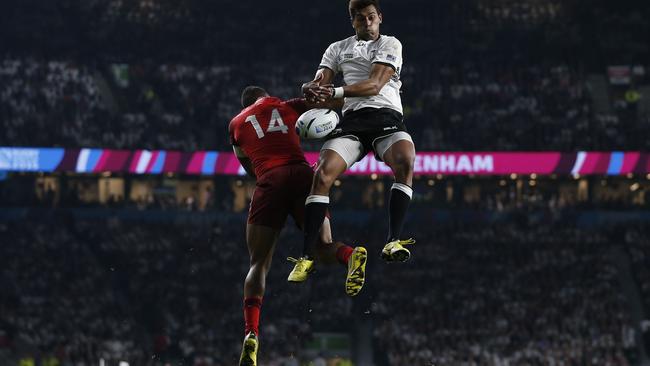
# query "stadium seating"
(519, 273)
(476, 294)
(485, 87)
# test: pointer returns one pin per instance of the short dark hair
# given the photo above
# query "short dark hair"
(250, 94)
(356, 5)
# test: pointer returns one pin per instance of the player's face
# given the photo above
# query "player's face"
(366, 23)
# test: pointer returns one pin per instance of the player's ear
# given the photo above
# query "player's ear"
(381, 18)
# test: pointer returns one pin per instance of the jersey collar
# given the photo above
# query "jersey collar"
(361, 41)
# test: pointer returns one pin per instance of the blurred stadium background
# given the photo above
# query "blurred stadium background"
(122, 214)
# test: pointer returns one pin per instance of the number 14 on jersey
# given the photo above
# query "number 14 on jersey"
(275, 124)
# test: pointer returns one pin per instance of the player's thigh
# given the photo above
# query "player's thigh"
(261, 241)
(395, 148)
(269, 205)
(341, 153)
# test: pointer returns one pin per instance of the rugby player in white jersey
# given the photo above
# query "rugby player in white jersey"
(372, 121)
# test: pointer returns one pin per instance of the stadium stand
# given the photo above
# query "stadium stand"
(485, 88)
(506, 271)
(540, 293)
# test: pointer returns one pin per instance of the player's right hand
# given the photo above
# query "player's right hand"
(310, 91)
(314, 92)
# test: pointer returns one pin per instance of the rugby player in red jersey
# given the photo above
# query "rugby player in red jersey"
(265, 141)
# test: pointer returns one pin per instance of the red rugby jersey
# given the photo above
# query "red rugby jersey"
(266, 132)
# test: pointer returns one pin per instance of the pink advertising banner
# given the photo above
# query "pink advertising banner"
(225, 163)
(502, 163)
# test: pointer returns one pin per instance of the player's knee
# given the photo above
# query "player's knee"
(409, 165)
(323, 178)
(403, 163)
(258, 263)
(408, 162)
(258, 270)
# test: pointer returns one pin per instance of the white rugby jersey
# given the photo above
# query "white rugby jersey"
(354, 58)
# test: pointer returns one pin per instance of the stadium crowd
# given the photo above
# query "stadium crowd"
(184, 107)
(507, 295)
(148, 294)
(527, 107)
(480, 294)
(46, 103)
(486, 87)
(637, 243)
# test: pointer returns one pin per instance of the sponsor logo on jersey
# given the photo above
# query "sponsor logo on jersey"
(391, 58)
(348, 55)
(390, 128)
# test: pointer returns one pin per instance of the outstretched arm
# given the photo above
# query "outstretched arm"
(330, 103)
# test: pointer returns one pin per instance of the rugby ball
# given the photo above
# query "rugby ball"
(316, 123)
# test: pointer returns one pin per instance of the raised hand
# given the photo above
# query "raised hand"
(314, 92)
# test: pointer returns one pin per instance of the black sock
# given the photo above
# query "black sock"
(400, 197)
(315, 209)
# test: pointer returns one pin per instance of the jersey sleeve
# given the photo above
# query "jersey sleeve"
(330, 58)
(389, 53)
(297, 104)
